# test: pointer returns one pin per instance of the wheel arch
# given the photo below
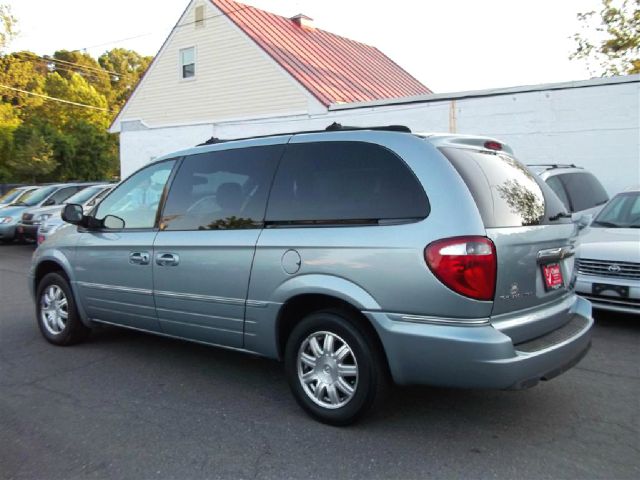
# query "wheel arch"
(56, 262)
(300, 305)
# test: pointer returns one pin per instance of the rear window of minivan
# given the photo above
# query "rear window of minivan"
(506, 192)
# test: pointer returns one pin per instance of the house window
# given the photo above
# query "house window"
(188, 62)
(199, 12)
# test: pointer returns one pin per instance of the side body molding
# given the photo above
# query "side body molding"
(261, 319)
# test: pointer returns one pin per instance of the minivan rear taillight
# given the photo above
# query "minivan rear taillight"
(467, 265)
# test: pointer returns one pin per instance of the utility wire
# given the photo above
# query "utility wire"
(113, 41)
(96, 69)
(83, 73)
(34, 57)
(55, 99)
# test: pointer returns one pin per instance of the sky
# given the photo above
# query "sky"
(449, 45)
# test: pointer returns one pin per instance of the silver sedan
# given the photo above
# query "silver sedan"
(609, 256)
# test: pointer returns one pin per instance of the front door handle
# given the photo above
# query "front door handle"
(167, 259)
(139, 258)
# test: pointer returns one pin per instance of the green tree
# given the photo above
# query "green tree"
(8, 25)
(23, 71)
(610, 38)
(33, 158)
(129, 67)
(66, 63)
(75, 89)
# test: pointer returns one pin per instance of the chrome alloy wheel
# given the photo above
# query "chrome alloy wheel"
(327, 370)
(54, 309)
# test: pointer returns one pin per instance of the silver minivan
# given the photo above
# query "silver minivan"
(357, 256)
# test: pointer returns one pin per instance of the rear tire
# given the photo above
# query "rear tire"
(56, 312)
(335, 368)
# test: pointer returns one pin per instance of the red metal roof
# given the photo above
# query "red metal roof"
(333, 68)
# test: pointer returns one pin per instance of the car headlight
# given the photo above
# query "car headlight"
(5, 220)
(41, 218)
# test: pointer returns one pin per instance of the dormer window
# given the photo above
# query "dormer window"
(188, 62)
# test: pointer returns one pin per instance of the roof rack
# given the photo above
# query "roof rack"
(334, 127)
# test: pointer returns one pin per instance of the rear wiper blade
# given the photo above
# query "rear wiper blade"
(559, 215)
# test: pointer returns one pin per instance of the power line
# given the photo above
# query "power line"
(97, 69)
(156, 31)
(113, 41)
(33, 56)
(61, 100)
(84, 73)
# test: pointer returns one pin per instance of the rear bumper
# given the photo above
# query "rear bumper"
(481, 356)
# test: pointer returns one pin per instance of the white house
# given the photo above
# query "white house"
(226, 61)
(229, 70)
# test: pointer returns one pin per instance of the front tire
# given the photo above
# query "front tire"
(56, 312)
(335, 369)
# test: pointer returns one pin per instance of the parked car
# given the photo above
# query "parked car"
(609, 256)
(48, 195)
(580, 191)
(44, 221)
(350, 254)
(14, 194)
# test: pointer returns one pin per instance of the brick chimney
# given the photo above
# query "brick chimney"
(303, 21)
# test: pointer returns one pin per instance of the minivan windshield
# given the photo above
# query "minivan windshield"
(507, 193)
(36, 196)
(623, 211)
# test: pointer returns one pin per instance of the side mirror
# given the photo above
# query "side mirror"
(72, 213)
(112, 222)
(49, 202)
(584, 220)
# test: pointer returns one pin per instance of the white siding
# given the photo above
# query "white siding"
(234, 78)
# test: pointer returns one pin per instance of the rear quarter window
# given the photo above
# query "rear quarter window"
(506, 192)
(344, 183)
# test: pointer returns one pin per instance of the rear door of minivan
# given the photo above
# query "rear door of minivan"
(533, 237)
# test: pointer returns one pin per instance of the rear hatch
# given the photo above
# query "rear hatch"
(533, 236)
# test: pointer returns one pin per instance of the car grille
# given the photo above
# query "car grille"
(606, 268)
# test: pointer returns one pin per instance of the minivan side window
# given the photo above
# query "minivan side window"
(221, 190)
(506, 192)
(136, 200)
(344, 183)
(584, 190)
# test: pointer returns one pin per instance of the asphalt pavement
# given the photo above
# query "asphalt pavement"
(126, 405)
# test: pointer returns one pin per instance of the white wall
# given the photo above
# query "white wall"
(595, 126)
(140, 146)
